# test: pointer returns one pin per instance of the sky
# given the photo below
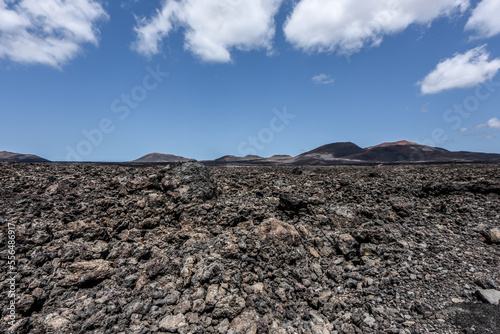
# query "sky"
(90, 80)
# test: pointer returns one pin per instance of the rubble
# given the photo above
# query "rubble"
(103, 248)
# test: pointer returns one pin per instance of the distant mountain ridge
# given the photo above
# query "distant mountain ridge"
(330, 154)
(349, 153)
(13, 157)
(392, 152)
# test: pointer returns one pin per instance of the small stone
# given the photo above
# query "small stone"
(212, 294)
(56, 323)
(369, 321)
(369, 281)
(351, 283)
(346, 244)
(245, 322)
(172, 323)
(489, 296)
(25, 303)
(257, 288)
(228, 307)
(326, 251)
(223, 326)
(183, 307)
(325, 296)
(192, 318)
(495, 235)
(457, 300)
(199, 305)
(367, 249)
(172, 298)
(314, 253)
(199, 294)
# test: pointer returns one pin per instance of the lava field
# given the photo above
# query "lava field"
(186, 248)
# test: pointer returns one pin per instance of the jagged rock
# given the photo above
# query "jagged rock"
(276, 230)
(57, 324)
(228, 307)
(292, 203)
(346, 244)
(88, 273)
(186, 181)
(495, 235)
(489, 296)
(246, 322)
(213, 295)
(367, 249)
(173, 323)
(25, 303)
(198, 306)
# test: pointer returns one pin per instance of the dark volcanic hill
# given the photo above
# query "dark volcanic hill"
(327, 154)
(160, 157)
(336, 150)
(9, 156)
(401, 151)
(395, 152)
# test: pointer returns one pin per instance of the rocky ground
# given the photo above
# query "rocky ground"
(186, 249)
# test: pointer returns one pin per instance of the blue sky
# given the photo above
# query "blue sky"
(112, 81)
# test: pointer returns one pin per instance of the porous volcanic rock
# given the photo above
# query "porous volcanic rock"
(188, 181)
(104, 248)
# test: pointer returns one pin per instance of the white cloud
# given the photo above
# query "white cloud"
(463, 129)
(489, 137)
(484, 19)
(49, 32)
(346, 26)
(461, 71)
(494, 123)
(212, 27)
(322, 79)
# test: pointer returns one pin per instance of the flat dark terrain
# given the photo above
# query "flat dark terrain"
(194, 249)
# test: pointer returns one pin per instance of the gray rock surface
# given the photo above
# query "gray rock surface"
(173, 323)
(489, 296)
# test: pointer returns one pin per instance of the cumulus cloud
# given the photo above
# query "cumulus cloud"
(212, 27)
(323, 79)
(461, 71)
(493, 123)
(347, 26)
(49, 32)
(484, 19)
